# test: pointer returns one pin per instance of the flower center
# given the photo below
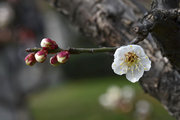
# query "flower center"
(131, 59)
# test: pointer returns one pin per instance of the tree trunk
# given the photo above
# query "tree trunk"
(109, 23)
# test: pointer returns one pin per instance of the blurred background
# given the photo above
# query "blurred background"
(84, 88)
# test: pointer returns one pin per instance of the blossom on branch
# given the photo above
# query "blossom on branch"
(41, 55)
(47, 43)
(132, 61)
(54, 61)
(30, 59)
(63, 56)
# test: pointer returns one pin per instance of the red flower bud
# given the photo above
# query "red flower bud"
(30, 59)
(41, 55)
(54, 61)
(48, 44)
(63, 56)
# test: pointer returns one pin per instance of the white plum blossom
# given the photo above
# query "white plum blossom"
(111, 98)
(117, 98)
(132, 61)
(143, 110)
(143, 107)
(128, 93)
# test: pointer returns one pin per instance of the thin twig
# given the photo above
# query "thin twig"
(77, 50)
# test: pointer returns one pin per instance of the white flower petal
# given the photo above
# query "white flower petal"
(146, 63)
(120, 52)
(137, 67)
(119, 67)
(139, 51)
(134, 75)
(131, 47)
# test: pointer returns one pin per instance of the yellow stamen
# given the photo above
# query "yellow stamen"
(131, 59)
(128, 68)
(143, 66)
(136, 67)
(122, 64)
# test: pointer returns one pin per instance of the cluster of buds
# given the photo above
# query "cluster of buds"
(30, 59)
(59, 58)
(47, 43)
(40, 56)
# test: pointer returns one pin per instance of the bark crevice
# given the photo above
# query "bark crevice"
(109, 22)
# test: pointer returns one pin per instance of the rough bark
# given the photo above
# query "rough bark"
(109, 22)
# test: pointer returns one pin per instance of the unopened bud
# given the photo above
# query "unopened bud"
(40, 56)
(54, 61)
(48, 44)
(63, 56)
(30, 59)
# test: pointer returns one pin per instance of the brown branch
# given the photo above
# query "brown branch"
(77, 50)
(109, 22)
